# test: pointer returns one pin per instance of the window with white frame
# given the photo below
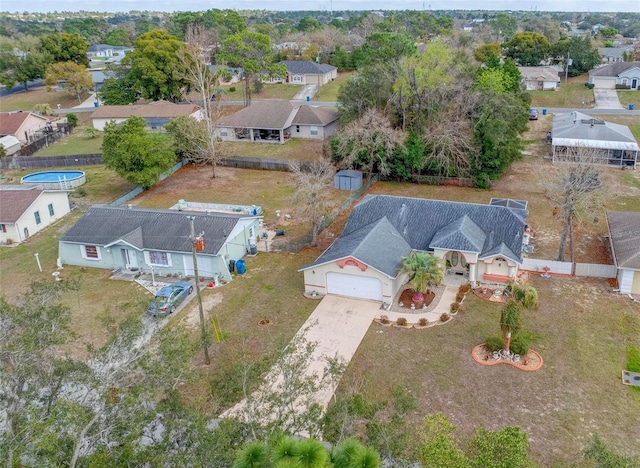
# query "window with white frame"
(314, 130)
(157, 258)
(224, 132)
(37, 216)
(90, 252)
(296, 79)
(51, 212)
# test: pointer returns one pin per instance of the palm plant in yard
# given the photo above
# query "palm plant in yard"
(424, 270)
(523, 296)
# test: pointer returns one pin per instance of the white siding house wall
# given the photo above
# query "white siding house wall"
(99, 124)
(60, 203)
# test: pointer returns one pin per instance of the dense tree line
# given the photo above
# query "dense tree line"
(456, 119)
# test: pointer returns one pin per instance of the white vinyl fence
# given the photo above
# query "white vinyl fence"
(553, 267)
(596, 270)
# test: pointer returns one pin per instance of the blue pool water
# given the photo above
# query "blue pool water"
(55, 180)
(52, 176)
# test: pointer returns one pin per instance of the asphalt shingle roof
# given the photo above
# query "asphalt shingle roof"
(539, 73)
(154, 109)
(13, 203)
(267, 114)
(624, 229)
(166, 230)
(278, 114)
(614, 69)
(306, 67)
(461, 234)
(370, 244)
(10, 122)
(314, 115)
(403, 224)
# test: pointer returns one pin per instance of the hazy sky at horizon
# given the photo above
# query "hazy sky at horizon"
(335, 5)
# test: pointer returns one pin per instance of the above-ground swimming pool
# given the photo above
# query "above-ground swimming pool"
(55, 180)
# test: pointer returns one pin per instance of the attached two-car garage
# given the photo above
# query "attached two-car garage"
(363, 287)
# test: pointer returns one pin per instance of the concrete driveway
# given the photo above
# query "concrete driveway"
(606, 99)
(336, 327)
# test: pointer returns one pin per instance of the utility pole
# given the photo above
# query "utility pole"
(203, 330)
(566, 76)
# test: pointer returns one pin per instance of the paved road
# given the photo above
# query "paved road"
(19, 87)
(591, 110)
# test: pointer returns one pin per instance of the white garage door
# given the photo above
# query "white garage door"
(361, 287)
(604, 83)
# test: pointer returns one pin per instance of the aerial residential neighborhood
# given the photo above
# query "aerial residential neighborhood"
(333, 238)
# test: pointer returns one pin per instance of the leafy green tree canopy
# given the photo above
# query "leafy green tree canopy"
(135, 155)
(483, 52)
(118, 87)
(383, 47)
(66, 47)
(527, 48)
(155, 69)
(21, 61)
(73, 78)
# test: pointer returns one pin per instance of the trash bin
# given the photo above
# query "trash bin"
(308, 98)
(232, 266)
(241, 267)
(544, 111)
(95, 103)
(630, 106)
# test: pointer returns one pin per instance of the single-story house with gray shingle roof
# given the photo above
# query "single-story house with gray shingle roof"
(306, 72)
(624, 232)
(25, 211)
(156, 114)
(618, 73)
(142, 239)
(613, 143)
(540, 78)
(481, 241)
(275, 121)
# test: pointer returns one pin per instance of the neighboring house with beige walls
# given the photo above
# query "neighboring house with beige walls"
(482, 242)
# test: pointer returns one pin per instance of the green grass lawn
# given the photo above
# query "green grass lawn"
(577, 391)
(329, 92)
(295, 149)
(75, 143)
(27, 100)
(572, 93)
(627, 97)
(268, 91)
(103, 185)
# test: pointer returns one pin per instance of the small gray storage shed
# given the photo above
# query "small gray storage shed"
(348, 180)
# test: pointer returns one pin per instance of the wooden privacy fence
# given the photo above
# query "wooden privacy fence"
(35, 162)
(556, 268)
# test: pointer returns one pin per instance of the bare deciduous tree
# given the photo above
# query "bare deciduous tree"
(312, 198)
(204, 83)
(574, 191)
(368, 142)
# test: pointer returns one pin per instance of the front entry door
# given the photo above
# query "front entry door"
(634, 83)
(130, 259)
